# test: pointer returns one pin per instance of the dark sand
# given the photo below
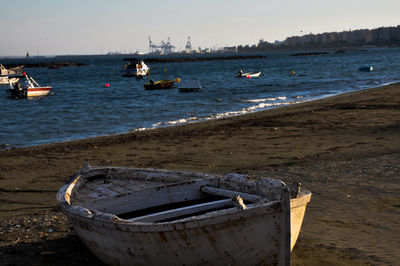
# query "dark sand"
(345, 149)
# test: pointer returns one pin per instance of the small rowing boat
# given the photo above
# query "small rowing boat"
(161, 84)
(134, 216)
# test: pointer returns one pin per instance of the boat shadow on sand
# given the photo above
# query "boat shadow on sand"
(49, 243)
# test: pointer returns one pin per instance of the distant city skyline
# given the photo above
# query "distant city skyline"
(45, 27)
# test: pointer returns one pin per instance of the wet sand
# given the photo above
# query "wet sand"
(344, 149)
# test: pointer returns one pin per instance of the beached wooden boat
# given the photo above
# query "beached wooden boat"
(130, 216)
(248, 74)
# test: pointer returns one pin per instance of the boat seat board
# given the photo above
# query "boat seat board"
(230, 193)
(184, 211)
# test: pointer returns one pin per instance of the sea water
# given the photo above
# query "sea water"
(82, 106)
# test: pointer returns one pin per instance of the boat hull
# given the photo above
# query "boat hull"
(250, 75)
(160, 85)
(134, 73)
(38, 91)
(298, 207)
(224, 240)
(190, 89)
(5, 80)
(6, 74)
(366, 69)
(190, 86)
(29, 92)
(135, 68)
(258, 235)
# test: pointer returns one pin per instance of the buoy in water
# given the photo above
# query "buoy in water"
(293, 72)
(107, 85)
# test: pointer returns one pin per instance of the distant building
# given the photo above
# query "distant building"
(231, 49)
(355, 38)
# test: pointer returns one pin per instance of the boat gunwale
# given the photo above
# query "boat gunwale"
(109, 220)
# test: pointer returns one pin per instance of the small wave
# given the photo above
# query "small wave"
(265, 99)
(266, 105)
(259, 107)
(176, 122)
(389, 83)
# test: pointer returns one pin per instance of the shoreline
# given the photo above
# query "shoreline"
(344, 149)
(212, 117)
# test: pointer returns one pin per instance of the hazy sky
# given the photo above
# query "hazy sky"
(54, 27)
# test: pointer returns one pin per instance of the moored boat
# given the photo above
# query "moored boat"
(134, 216)
(6, 74)
(248, 74)
(190, 86)
(366, 69)
(159, 85)
(135, 68)
(30, 88)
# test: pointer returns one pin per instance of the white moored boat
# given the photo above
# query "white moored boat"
(135, 68)
(248, 74)
(30, 88)
(5, 73)
(130, 216)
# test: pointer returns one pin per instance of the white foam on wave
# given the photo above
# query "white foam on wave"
(265, 99)
(388, 83)
(259, 107)
(176, 122)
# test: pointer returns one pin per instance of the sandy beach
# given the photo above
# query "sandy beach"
(344, 149)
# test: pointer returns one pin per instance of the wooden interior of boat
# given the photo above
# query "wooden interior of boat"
(212, 199)
(178, 210)
(145, 196)
(159, 203)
